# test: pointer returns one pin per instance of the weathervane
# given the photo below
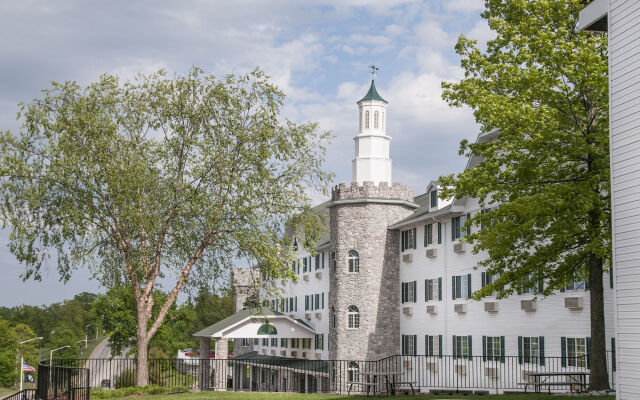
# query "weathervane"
(373, 70)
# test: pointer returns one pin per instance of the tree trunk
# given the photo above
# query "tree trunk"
(599, 376)
(142, 372)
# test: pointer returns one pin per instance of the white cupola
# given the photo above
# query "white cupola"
(372, 162)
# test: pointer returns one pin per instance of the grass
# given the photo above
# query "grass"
(6, 391)
(286, 396)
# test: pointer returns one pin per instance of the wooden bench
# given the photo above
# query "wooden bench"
(367, 384)
(538, 385)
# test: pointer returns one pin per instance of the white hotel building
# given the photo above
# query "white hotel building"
(392, 278)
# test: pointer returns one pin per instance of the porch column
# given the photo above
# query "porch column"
(204, 371)
(222, 351)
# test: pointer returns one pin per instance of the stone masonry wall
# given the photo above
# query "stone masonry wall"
(375, 289)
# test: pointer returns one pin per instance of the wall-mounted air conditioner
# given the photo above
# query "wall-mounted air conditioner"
(264, 351)
(458, 248)
(431, 253)
(318, 315)
(460, 308)
(305, 277)
(273, 352)
(307, 316)
(319, 275)
(304, 354)
(407, 258)
(407, 311)
(283, 353)
(573, 303)
(432, 309)
(528, 305)
(294, 354)
(491, 306)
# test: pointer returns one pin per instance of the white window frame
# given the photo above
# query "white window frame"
(531, 349)
(353, 317)
(494, 344)
(353, 262)
(577, 352)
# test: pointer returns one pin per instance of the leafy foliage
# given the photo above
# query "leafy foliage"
(168, 176)
(542, 86)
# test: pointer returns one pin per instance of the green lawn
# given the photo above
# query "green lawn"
(6, 391)
(269, 396)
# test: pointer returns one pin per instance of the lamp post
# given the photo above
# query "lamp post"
(22, 358)
(51, 358)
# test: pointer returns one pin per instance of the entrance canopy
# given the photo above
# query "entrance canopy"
(256, 324)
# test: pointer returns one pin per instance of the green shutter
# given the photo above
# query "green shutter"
(453, 287)
(415, 237)
(587, 284)
(415, 291)
(404, 348)
(611, 279)
(613, 353)
(502, 346)
(440, 346)
(415, 345)
(426, 345)
(439, 233)
(484, 348)
(469, 285)
(402, 240)
(425, 236)
(470, 349)
(468, 226)
(563, 350)
(455, 354)
(520, 350)
(588, 352)
(453, 230)
(426, 290)
(402, 292)
(541, 346)
(483, 277)
(440, 288)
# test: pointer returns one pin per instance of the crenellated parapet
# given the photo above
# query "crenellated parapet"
(368, 190)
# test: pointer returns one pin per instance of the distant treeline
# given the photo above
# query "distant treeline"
(111, 314)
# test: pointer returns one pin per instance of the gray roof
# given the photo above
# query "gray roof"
(322, 210)
(321, 366)
(235, 318)
(421, 212)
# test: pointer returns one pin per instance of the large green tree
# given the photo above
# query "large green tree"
(161, 176)
(543, 85)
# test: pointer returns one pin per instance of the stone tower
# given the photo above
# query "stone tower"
(364, 257)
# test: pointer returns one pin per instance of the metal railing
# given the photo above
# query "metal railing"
(26, 394)
(258, 372)
(60, 381)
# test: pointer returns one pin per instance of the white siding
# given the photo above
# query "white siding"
(624, 69)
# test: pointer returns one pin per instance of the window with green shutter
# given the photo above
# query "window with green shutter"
(434, 198)
(439, 233)
(428, 234)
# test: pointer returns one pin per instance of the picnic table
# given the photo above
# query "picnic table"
(572, 378)
(390, 382)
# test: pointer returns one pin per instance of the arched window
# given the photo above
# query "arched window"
(353, 317)
(334, 317)
(353, 370)
(360, 127)
(332, 257)
(366, 120)
(383, 120)
(354, 261)
(375, 120)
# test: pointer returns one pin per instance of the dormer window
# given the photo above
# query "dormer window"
(434, 198)
(295, 244)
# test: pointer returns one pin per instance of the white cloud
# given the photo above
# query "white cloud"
(465, 6)
(482, 33)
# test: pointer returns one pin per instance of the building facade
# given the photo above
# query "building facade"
(619, 18)
(392, 277)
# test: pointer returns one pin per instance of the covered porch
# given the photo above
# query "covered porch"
(248, 324)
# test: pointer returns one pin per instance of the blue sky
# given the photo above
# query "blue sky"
(316, 51)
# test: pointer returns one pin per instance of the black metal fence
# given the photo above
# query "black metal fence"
(258, 372)
(61, 381)
(26, 394)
